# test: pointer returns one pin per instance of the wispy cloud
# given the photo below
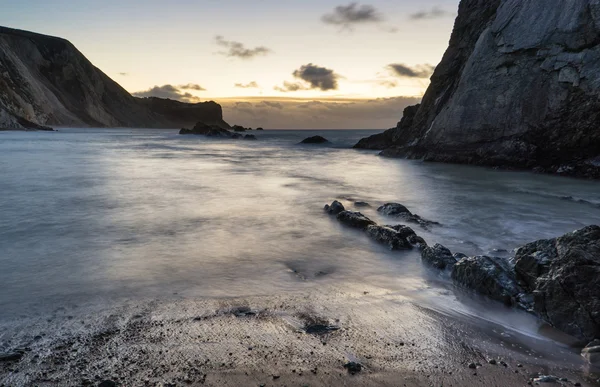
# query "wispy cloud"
(239, 50)
(347, 17)
(291, 86)
(405, 71)
(250, 85)
(192, 86)
(434, 13)
(123, 74)
(171, 92)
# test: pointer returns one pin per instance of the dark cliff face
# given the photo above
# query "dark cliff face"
(186, 114)
(47, 81)
(519, 87)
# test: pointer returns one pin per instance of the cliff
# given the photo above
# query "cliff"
(46, 81)
(518, 87)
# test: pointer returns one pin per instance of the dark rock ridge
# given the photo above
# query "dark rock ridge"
(557, 279)
(46, 81)
(518, 87)
(314, 140)
(398, 237)
(397, 210)
(215, 131)
(563, 274)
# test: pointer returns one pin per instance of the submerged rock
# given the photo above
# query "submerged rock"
(395, 240)
(438, 257)
(250, 137)
(563, 274)
(314, 140)
(215, 131)
(488, 276)
(355, 219)
(335, 208)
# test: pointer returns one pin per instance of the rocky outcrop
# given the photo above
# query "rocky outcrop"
(215, 131)
(557, 279)
(438, 257)
(563, 274)
(398, 210)
(518, 87)
(355, 220)
(314, 140)
(335, 208)
(491, 277)
(46, 81)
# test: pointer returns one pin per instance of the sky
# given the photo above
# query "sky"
(271, 63)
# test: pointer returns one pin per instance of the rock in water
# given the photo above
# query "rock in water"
(488, 276)
(355, 220)
(438, 257)
(389, 237)
(399, 211)
(335, 208)
(518, 86)
(353, 367)
(250, 137)
(563, 274)
(314, 140)
(393, 209)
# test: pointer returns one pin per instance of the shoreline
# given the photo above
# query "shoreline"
(301, 339)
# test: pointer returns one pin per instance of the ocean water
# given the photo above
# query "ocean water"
(100, 217)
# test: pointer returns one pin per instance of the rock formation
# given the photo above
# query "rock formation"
(518, 87)
(314, 140)
(46, 81)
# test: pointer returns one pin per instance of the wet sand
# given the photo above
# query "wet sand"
(289, 340)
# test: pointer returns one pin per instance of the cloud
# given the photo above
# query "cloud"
(251, 85)
(123, 74)
(347, 16)
(192, 86)
(329, 113)
(274, 105)
(171, 92)
(434, 13)
(405, 71)
(290, 86)
(387, 83)
(238, 50)
(318, 77)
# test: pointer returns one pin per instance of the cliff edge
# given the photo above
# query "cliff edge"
(45, 80)
(518, 87)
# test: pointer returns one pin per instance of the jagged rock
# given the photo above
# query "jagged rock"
(563, 274)
(215, 131)
(238, 128)
(259, 129)
(518, 87)
(591, 353)
(394, 209)
(250, 137)
(355, 220)
(438, 257)
(314, 140)
(335, 208)
(491, 277)
(399, 211)
(388, 236)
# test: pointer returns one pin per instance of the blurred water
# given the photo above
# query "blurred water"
(101, 216)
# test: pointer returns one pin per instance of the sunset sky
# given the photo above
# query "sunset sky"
(273, 63)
